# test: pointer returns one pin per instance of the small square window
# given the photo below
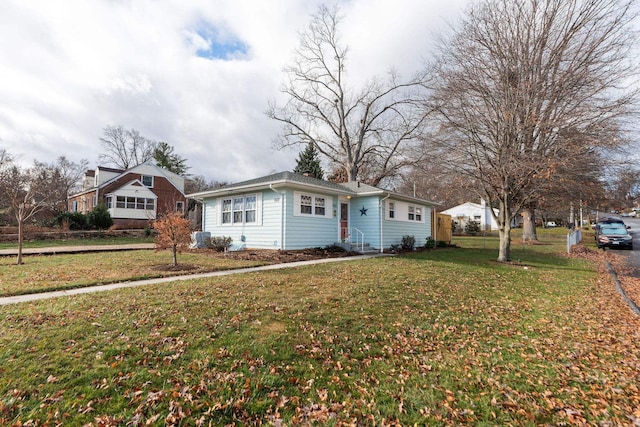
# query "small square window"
(147, 180)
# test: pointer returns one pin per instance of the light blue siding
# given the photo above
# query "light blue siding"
(364, 215)
(308, 232)
(263, 235)
(393, 230)
(295, 232)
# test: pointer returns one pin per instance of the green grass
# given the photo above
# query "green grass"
(445, 337)
(77, 242)
(59, 272)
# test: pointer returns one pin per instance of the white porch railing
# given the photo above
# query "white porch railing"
(358, 240)
(573, 238)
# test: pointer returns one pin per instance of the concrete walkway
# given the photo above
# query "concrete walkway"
(57, 250)
(100, 288)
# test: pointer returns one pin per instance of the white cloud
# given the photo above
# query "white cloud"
(71, 68)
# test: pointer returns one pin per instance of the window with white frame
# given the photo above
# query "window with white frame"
(180, 207)
(250, 208)
(123, 202)
(239, 209)
(147, 180)
(314, 205)
(415, 213)
(319, 206)
(306, 206)
(402, 211)
(226, 211)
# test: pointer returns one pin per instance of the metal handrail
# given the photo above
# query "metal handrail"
(360, 240)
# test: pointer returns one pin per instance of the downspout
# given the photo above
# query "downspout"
(203, 214)
(435, 227)
(282, 195)
(381, 219)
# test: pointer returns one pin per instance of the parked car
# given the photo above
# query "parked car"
(614, 236)
(608, 222)
(551, 224)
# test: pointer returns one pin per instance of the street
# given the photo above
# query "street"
(633, 256)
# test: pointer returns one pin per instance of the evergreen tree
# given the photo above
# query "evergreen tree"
(100, 217)
(308, 162)
(165, 157)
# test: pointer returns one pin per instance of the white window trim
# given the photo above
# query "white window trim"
(258, 210)
(401, 212)
(328, 205)
(152, 180)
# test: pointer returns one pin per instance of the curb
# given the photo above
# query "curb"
(621, 291)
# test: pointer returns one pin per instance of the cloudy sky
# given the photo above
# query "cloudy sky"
(197, 74)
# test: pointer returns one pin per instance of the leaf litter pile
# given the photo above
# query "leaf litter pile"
(437, 338)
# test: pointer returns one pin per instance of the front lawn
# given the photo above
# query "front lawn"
(59, 272)
(96, 240)
(445, 337)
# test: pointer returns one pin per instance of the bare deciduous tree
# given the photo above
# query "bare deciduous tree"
(124, 148)
(26, 194)
(521, 86)
(60, 179)
(371, 133)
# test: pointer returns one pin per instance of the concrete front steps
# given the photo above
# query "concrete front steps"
(365, 248)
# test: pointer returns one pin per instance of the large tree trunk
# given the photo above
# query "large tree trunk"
(504, 230)
(20, 239)
(529, 224)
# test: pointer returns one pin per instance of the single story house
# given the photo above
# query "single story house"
(291, 211)
(134, 197)
(478, 212)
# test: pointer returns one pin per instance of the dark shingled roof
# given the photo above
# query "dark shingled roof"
(286, 176)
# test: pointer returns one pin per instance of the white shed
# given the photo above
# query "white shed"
(479, 212)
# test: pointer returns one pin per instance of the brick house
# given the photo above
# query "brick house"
(134, 197)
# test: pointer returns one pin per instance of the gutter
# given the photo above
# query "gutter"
(281, 214)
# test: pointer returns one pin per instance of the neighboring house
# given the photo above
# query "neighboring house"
(478, 212)
(290, 211)
(134, 197)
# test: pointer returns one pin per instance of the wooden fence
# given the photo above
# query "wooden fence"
(442, 228)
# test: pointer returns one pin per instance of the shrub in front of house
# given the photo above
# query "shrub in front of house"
(72, 221)
(218, 243)
(407, 243)
(100, 218)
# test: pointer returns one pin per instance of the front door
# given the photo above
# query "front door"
(344, 220)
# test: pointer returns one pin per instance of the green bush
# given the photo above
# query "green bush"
(408, 243)
(100, 218)
(75, 220)
(218, 243)
(431, 243)
(472, 227)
